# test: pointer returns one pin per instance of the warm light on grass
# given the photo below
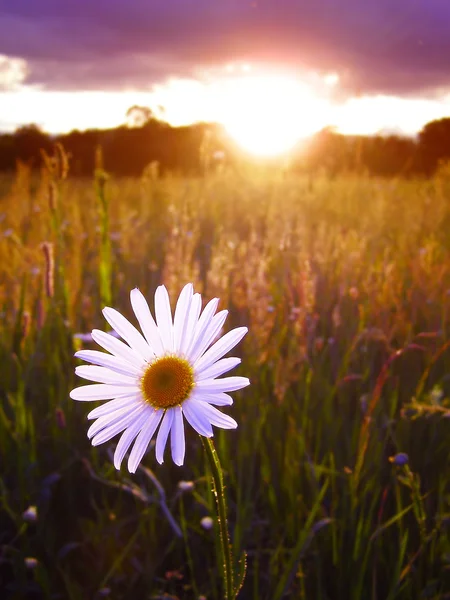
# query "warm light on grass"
(337, 484)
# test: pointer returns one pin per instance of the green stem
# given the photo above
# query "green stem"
(105, 244)
(187, 547)
(224, 538)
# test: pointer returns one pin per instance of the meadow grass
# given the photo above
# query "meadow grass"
(345, 287)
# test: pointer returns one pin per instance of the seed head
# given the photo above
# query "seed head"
(47, 248)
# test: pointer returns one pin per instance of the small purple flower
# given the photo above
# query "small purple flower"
(400, 460)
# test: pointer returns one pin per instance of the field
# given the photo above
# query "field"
(338, 475)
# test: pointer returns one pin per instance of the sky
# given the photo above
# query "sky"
(360, 65)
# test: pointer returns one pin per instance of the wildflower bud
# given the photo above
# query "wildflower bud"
(364, 403)
(47, 248)
(336, 316)
(63, 160)
(99, 158)
(320, 524)
(83, 337)
(31, 563)
(152, 171)
(48, 162)
(60, 418)
(401, 459)
(319, 343)
(186, 486)
(207, 523)
(40, 314)
(350, 378)
(26, 322)
(409, 412)
(52, 195)
(171, 575)
(30, 515)
(436, 395)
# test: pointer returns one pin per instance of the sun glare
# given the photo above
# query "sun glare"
(268, 115)
(264, 113)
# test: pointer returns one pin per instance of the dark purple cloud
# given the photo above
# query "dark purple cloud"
(390, 46)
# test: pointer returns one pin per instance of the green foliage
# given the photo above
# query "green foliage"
(345, 287)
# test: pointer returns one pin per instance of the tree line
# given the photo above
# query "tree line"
(382, 155)
(128, 150)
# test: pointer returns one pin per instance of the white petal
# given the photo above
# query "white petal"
(113, 417)
(163, 434)
(202, 324)
(181, 316)
(112, 405)
(101, 391)
(217, 418)
(143, 440)
(177, 437)
(114, 363)
(118, 348)
(128, 436)
(227, 384)
(164, 317)
(219, 398)
(218, 368)
(146, 321)
(128, 332)
(109, 432)
(193, 411)
(209, 336)
(220, 348)
(192, 320)
(103, 375)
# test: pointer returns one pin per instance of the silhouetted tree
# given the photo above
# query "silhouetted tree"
(434, 144)
(129, 150)
(335, 153)
(137, 116)
(7, 152)
(29, 140)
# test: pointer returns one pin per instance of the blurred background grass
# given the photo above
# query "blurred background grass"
(344, 284)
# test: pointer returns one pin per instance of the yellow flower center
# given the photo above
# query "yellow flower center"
(167, 382)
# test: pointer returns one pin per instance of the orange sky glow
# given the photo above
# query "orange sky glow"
(267, 111)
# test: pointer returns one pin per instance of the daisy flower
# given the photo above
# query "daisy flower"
(155, 379)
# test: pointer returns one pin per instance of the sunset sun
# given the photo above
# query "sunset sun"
(268, 114)
(265, 112)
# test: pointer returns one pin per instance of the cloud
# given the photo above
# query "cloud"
(13, 72)
(377, 46)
